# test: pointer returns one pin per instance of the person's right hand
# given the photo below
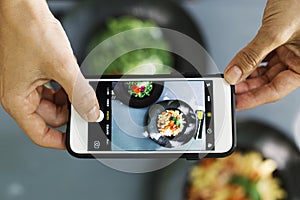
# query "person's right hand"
(34, 50)
(278, 43)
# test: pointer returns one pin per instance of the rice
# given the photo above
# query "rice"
(238, 177)
(170, 123)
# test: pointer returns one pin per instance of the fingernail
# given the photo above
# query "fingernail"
(233, 75)
(93, 115)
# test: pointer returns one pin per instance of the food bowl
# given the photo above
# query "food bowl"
(185, 133)
(122, 92)
(252, 136)
(89, 17)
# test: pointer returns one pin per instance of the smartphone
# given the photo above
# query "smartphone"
(156, 116)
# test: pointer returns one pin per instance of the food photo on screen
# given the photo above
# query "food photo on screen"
(152, 115)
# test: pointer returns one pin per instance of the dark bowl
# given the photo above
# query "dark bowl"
(252, 136)
(184, 136)
(83, 23)
(122, 94)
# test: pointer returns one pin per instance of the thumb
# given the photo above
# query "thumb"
(84, 99)
(79, 91)
(248, 59)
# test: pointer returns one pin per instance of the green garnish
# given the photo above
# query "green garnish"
(140, 89)
(248, 185)
(178, 123)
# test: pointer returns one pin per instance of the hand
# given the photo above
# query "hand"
(34, 50)
(278, 43)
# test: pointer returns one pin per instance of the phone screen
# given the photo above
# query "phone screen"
(168, 115)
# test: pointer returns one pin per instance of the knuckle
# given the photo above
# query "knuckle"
(277, 38)
(274, 38)
(7, 103)
(63, 65)
(55, 21)
(249, 59)
(56, 123)
(37, 142)
(39, 138)
(67, 60)
(275, 93)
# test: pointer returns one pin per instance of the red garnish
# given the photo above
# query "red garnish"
(142, 88)
(137, 90)
(134, 87)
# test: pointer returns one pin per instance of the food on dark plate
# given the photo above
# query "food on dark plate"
(241, 176)
(170, 123)
(140, 89)
(139, 60)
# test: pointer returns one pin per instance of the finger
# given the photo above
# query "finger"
(247, 60)
(258, 81)
(249, 85)
(59, 97)
(273, 61)
(274, 71)
(37, 130)
(84, 99)
(54, 115)
(47, 94)
(289, 56)
(53, 107)
(258, 72)
(80, 93)
(280, 86)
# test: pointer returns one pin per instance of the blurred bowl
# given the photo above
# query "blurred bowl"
(252, 136)
(84, 22)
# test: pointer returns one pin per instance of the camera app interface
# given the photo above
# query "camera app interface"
(169, 115)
